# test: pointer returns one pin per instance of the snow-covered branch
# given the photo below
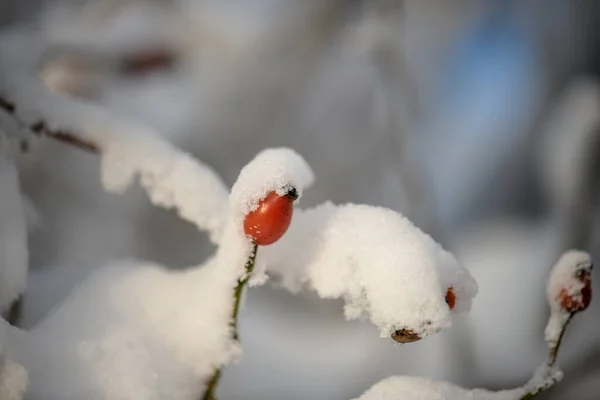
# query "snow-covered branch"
(172, 178)
(164, 333)
(568, 293)
(383, 266)
(138, 330)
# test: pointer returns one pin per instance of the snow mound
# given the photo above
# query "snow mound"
(414, 388)
(382, 265)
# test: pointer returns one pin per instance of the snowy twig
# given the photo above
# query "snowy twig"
(171, 177)
(568, 293)
(555, 347)
(549, 372)
(239, 289)
(39, 128)
(261, 206)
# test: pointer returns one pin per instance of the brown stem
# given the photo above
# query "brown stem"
(40, 128)
(553, 354)
(212, 383)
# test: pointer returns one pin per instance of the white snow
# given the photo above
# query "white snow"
(172, 178)
(383, 266)
(271, 170)
(14, 256)
(416, 388)
(543, 378)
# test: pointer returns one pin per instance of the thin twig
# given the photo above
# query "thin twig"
(552, 357)
(212, 383)
(239, 289)
(553, 354)
(41, 129)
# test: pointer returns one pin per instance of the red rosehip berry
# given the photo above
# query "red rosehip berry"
(451, 298)
(578, 302)
(269, 222)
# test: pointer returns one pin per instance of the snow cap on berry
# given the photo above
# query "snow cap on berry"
(279, 169)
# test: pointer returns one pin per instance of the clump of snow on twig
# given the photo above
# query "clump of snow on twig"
(382, 265)
(543, 378)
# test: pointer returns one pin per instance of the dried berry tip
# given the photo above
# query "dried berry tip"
(405, 336)
(292, 193)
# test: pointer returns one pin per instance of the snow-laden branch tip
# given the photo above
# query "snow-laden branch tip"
(383, 266)
(568, 292)
(136, 330)
(172, 178)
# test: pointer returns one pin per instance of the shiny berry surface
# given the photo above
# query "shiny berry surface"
(269, 222)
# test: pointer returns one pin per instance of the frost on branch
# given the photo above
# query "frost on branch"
(383, 266)
(172, 178)
(136, 330)
(569, 292)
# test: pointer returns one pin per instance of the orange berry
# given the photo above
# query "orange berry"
(450, 298)
(269, 222)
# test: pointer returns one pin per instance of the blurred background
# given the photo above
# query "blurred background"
(479, 120)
